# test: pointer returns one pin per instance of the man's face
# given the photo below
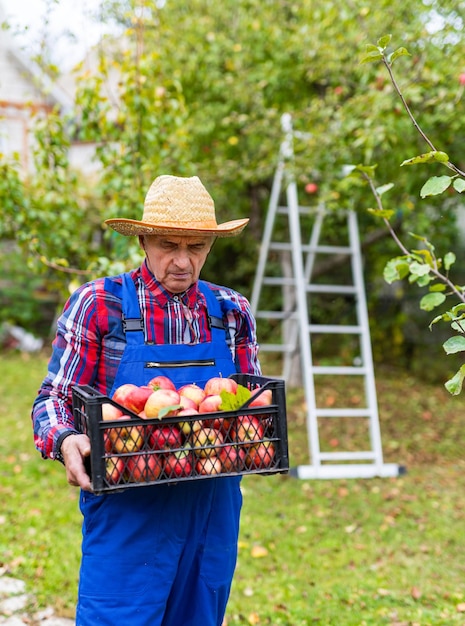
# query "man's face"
(176, 261)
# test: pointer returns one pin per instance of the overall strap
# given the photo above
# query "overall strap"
(133, 324)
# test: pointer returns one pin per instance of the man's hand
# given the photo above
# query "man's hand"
(75, 449)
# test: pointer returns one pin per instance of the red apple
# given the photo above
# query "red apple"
(261, 397)
(132, 397)
(179, 464)
(165, 438)
(126, 438)
(205, 441)
(247, 429)
(161, 382)
(209, 465)
(114, 469)
(187, 403)
(162, 403)
(193, 392)
(311, 187)
(144, 467)
(210, 404)
(232, 458)
(110, 412)
(260, 455)
(214, 386)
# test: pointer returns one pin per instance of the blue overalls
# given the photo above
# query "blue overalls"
(161, 555)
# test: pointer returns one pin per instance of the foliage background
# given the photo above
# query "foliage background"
(200, 88)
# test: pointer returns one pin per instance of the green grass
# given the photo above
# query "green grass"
(340, 552)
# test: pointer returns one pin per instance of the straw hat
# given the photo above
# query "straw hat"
(181, 206)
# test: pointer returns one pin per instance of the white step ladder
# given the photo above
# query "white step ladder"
(293, 261)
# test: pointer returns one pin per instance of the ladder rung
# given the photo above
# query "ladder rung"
(280, 246)
(303, 210)
(339, 329)
(349, 289)
(339, 370)
(276, 315)
(343, 412)
(346, 456)
(278, 281)
(277, 347)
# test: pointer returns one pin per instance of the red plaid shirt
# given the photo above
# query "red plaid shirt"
(90, 341)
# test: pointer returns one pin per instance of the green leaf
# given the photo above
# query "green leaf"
(438, 287)
(167, 409)
(396, 269)
(421, 158)
(384, 213)
(233, 401)
(454, 345)
(454, 384)
(384, 188)
(431, 301)
(384, 41)
(371, 56)
(442, 157)
(449, 260)
(459, 185)
(398, 53)
(435, 185)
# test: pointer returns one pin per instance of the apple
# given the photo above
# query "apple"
(188, 426)
(311, 187)
(161, 382)
(209, 465)
(260, 455)
(261, 397)
(247, 429)
(214, 386)
(110, 412)
(193, 392)
(232, 458)
(187, 403)
(162, 403)
(205, 441)
(132, 397)
(114, 469)
(165, 437)
(144, 467)
(179, 464)
(126, 438)
(210, 404)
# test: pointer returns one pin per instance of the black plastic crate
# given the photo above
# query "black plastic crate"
(134, 452)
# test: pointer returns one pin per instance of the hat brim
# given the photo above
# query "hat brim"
(130, 228)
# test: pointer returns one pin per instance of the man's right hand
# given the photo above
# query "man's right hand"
(74, 450)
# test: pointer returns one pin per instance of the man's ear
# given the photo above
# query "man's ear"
(142, 242)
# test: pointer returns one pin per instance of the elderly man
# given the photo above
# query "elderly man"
(163, 555)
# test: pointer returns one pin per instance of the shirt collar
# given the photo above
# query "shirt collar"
(189, 297)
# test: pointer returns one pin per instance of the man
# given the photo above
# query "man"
(161, 555)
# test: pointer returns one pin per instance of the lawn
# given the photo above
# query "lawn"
(359, 552)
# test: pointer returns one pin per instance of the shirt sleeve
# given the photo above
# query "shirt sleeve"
(242, 332)
(75, 354)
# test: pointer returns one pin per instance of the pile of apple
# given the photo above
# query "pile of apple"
(196, 444)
